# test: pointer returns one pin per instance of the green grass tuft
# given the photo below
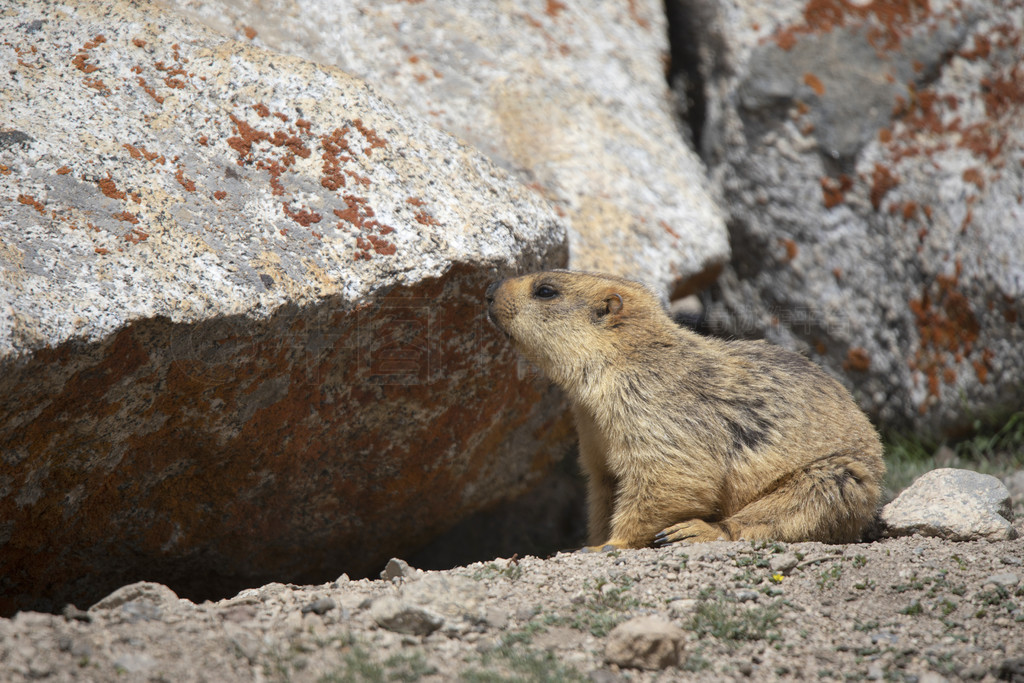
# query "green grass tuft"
(994, 448)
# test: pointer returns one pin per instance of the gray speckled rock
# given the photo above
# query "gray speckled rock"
(571, 96)
(143, 591)
(242, 331)
(402, 617)
(959, 505)
(648, 642)
(869, 156)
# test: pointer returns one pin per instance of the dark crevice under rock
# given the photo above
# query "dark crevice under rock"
(684, 72)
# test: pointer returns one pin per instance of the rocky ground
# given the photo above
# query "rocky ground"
(912, 608)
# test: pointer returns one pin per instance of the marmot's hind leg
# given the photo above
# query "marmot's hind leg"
(829, 500)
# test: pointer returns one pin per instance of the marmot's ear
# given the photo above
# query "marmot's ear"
(612, 304)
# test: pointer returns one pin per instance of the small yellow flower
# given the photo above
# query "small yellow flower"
(777, 578)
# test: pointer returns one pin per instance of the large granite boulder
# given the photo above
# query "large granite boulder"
(870, 156)
(571, 96)
(241, 323)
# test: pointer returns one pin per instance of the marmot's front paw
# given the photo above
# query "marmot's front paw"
(690, 531)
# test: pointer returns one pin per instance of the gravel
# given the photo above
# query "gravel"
(912, 608)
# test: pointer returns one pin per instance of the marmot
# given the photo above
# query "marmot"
(690, 438)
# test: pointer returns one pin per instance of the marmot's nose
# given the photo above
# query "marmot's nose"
(491, 289)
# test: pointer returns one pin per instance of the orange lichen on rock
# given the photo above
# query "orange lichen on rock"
(335, 153)
(108, 188)
(983, 365)
(791, 249)
(857, 359)
(149, 90)
(888, 21)
(371, 136)
(246, 138)
(882, 181)
(275, 163)
(304, 217)
(359, 214)
(947, 327)
(634, 14)
(188, 184)
(834, 190)
(29, 200)
(96, 84)
(136, 235)
(79, 61)
(382, 246)
(814, 83)
(973, 175)
(424, 218)
(554, 8)
(133, 150)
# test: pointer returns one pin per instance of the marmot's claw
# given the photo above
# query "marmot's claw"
(663, 540)
(693, 530)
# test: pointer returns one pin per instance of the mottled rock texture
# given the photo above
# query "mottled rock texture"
(241, 334)
(958, 505)
(870, 157)
(648, 642)
(571, 96)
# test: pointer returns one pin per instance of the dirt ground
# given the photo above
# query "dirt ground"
(910, 609)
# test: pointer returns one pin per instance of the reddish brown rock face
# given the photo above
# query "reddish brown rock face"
(242, 332)
(226, 454)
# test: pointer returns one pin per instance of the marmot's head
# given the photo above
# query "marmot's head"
(572, 324)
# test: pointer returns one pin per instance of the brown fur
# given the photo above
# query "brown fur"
(684, 437)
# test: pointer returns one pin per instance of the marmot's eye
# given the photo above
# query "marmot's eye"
(545, 292)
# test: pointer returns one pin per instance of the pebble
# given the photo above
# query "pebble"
(973, 506)
(973, 672)
(884, 637)
(319, 606)
(645, 643)
(134, 662)
(141, 610)
(141, 592)
(784, 563)
(247, 644)
(1004, 579)
(399, 569)
(71, 612)
(496, 618)
(524, 614)
(682, 607)
(400, 617)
